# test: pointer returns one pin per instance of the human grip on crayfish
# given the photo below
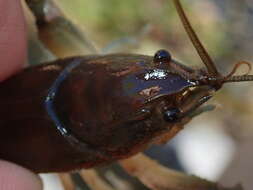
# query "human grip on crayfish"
(82, 112)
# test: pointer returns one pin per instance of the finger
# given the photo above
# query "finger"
(13, 177)
(12, 38)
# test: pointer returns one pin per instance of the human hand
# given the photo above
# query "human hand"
(13, 56)
(14, 177)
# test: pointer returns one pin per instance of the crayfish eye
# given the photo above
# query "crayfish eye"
(162, 56)
(171, 115)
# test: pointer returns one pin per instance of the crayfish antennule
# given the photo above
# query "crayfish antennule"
(237, 65)
(239, 78)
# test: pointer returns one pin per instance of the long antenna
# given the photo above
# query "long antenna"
(211, 68)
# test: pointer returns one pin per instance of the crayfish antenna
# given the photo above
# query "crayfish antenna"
(206, 59)
(214, 76)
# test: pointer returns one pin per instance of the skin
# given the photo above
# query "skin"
(13, 57)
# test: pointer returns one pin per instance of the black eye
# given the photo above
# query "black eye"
(162, 56)
(171, 115)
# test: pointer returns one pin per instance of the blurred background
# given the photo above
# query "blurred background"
(216, 145)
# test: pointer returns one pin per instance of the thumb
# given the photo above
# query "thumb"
(12, 56)
(12, 38)
(13, 177)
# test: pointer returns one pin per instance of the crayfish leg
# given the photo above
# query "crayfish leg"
(58, 33)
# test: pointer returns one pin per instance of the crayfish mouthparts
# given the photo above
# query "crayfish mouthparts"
(195, 99)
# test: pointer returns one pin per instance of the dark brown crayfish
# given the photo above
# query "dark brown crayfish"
(87, 111)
